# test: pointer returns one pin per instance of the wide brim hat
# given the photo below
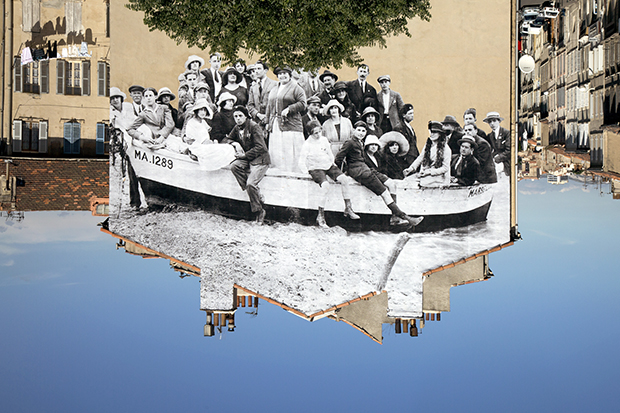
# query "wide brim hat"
(226, 96)
(165, 91)
(369, 110)
(136, 88)
(435, 126)
(200, 104)
(331, 103)
(328, 73)
(194, 58)
(451, 120)
(286, 69)
(372, 140)
(114, 91)
(340, 85)
(397, 137)
(468, 139)
(492, 115)
(229, 71)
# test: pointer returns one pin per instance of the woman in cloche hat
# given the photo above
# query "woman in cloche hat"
(337, 128)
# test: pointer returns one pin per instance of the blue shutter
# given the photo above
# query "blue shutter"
(67, 135)
(76, 138)
(100, 139)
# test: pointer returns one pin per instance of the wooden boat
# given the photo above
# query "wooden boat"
(167, 177)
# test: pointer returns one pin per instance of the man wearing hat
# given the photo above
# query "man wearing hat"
(464, 167)
(312, 113)
(406, 114)
(453, 133)
(484, 154)
(259, 93)
(501, 140)
(360, 92)
(390, 104)
(121, 112)
(328, 79)
(136, 92)
(252, 158)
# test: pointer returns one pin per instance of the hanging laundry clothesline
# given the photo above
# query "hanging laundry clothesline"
(29, 55)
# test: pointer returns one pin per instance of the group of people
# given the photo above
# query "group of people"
(308, 123)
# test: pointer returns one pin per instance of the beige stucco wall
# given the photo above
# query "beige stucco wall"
(52, 107)
(460, 59)
(611, 151)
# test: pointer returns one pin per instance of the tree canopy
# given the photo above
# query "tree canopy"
(297, 33)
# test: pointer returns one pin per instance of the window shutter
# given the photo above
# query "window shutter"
(17, 136)
(86, 78)
(101, 79)
(60, 75)
(45, 71)
(43, 137)
(17, 78)
(76, 138)
(67, 135)
(100, 139)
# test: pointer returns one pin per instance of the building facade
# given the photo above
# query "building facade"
(55, 96)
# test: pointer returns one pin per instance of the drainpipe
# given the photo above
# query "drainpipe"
(10, 88)
(3, 69)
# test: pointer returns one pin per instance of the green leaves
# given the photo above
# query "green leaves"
(297, 33)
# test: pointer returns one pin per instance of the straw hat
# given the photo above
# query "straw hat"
(492, 115)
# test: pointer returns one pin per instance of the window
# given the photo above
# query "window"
(73, 13)
(72, 138)
(29, 136)
(102, 139)
(73, 78)
(31, 10)
(31, 77)
(103, 79)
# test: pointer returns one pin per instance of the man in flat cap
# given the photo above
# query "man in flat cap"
(312, 113)
(136, 92)
(390, 105)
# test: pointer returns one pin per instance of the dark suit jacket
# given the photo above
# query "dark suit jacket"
(360, 99)
(326, 96)
(453, 141)
(208, 75)
(502, 148)
(468, 170)
(252, 141)
(413, 144)
(396, 104)
(484, 154)
(258, 100)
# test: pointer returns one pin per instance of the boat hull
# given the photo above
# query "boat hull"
(167, 177)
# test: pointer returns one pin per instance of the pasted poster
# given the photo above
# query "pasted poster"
(316, 189)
